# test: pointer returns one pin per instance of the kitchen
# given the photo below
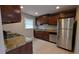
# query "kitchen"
(45, 27)
(57, 28)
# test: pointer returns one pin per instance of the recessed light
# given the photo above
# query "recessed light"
(21, 7)
(36, 13)
(57, 7)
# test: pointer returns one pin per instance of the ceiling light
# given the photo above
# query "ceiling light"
(57, 7)
(36, 13)
(21, 7)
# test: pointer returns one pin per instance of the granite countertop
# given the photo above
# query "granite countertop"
(15, 42)
(47, 30)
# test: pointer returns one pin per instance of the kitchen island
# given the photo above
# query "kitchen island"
(18, 45)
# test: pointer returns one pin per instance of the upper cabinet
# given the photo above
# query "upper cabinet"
(52, 20)
(46, 19)
(67, 14)
(42, 20)
(10, 14)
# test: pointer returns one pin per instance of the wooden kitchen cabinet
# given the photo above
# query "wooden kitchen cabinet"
(10, 14)
(24, 49)
(42, 20)
(67, 14)
(52, 20)
(41, 35)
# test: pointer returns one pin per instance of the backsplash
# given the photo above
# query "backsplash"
(46, 26)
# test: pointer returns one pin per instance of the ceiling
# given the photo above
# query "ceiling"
(44, 9)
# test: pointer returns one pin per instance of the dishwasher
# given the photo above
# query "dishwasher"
(53, 37)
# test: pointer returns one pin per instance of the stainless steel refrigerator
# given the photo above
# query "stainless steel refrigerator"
(65, 33)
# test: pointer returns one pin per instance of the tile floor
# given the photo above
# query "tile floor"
(44, 47)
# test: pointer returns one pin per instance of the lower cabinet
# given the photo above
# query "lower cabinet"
(25, 49)
(41, 35)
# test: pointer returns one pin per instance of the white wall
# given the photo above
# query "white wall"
(19, 27)
(2, 46)
(77, 35)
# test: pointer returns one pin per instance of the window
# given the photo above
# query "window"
(28, 23)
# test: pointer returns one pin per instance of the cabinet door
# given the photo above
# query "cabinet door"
(67, 14)
(26, 49)
(42, 35)
(45, 36)
(36, 34)
(10, 14)
(52, 20)
(42, 20)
